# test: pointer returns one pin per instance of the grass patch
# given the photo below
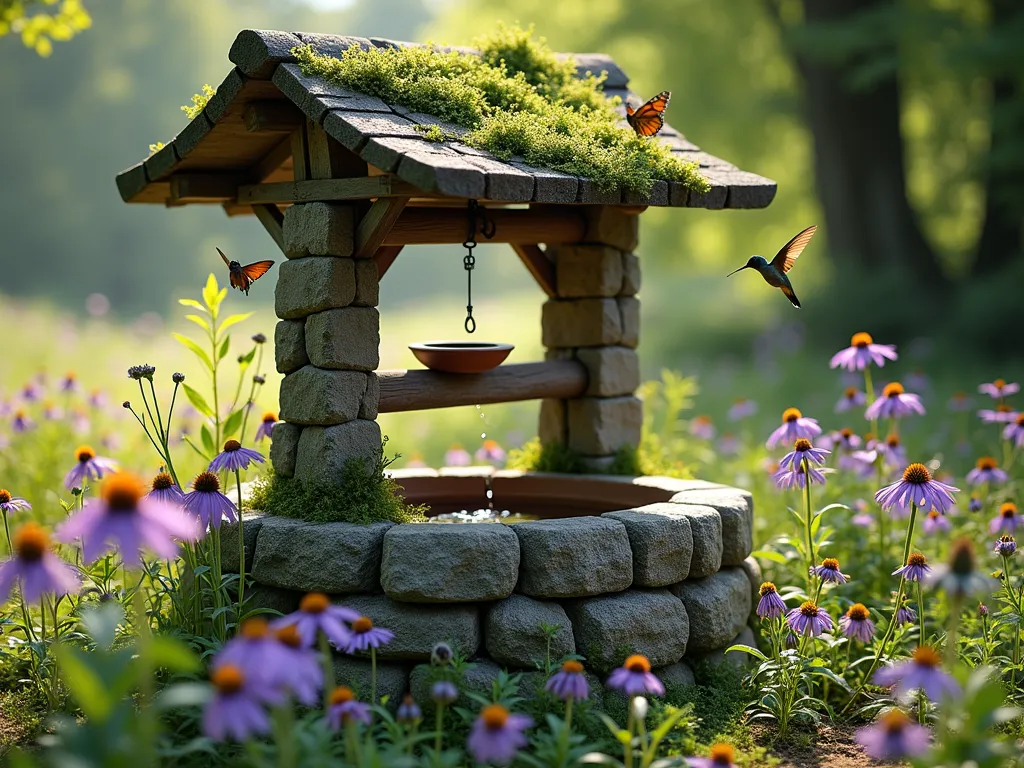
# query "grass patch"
(517, 99)
(361, 497)
(556, 457)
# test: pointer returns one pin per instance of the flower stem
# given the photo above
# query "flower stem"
(811, 559)
(438, 731)
(29, 632)
(241, 546)
(373, 677)
(627, 748)
(326, 659)
(283, 718)
(144, 639)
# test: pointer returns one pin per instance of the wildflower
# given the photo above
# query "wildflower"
(139, 372)
(856, 624)
(257, 379)
(999, 389)
(97, 399)
(959, 578)
(178, 378)
(9, 503)
(1014, 431)
(366, 636)
(490, 451)
(720, 756)
(317, 614)
(893, 454)
(266, 427)
(861, 352)
(894, 404)
(258, 651)
(986, 470)
(1002, 414)
(32, 392)
(829, 572)
(742, 409)
(207, 503)
(236, 708)
(848, 440)
(124, 519)
(634, 678)
(892, 737)
(960, 402)
(444, 692)
(861, 463)
(259, 338)
(729, 445)
(408, 711)
(974, 505)
(770, 606)
(164, 489)
(1007, 519)
(234, 458)
(569, 683)
(415, 460)
(794, 425)
(920, 672)
(441, 654)
(852, 398)
(918, 379)
(69, 383)
(1006, 546)
(497, 735)
(457, 456)
(21, 422)
(802, 449)
(344, 708)
(916, 487)
(935, 521)
(52, 412)
(34, 565)
(916, 569)
(809, 619)
(982, 609)
(788, 478)
(905, 615)
(305, 676)
(89, 467)
(702, 428)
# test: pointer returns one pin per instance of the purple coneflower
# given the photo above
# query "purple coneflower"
(920, 673)
(569, 683)
(266, 427)
(702, 428)
(457, 456)
(1001, 414)
(958, 577)
(21, 422)
(892, 737)
(497, 735)
(848, 440)
(490, 452)
(802, 449)
(916, 569)
(125, 520)
(207, 503)
(344, 708)
(986, 470)
(892, 452)
(829, 572)
(409, 711)
(366, 636)
(916, 487)
(935, 521)
(34, 565)
(856, 624)
(974, 505)
(788, 478)
(729, 445)
(32, 392)
(719, 756)
(1014, 431)
(1007, 519)
(236, 709)
(1006, 546)
(234, 458)
(9, 503)
(317, 614)
(771, 605)
(861, 352)
(894, 404)
(97, 399)
(260, 654)
(164, 489)
(960, 402)
(743, 408)
(80, 423)
(794, 426)
(52, 412)
(861, 463)
(444, 692)
(305, 675)
(999, 389)
(415, 460)
(905, 615)
(808, 619)
(89, 467)
(634, 678)
(69, 383)
(852, 398)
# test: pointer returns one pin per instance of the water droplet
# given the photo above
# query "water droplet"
(478, 407)
(483, 435)
(490, 494)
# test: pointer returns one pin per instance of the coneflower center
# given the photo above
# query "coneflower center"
(893, 390)
(637, 663)
(494, 716)
(767, 588)
(934, 514)
(31, 542)
(894, 721)
(314, 602)
(206, 481)
(1009, 509)
(961, 560)
(917, 559)
(232, 445)
(342, 694)
(269, 417)
(846, 432)
(1003, 408)
(573, 667)
(162, 482)
(987, 463)
(228, 679)
(830, 564)
(1006, 539)
(861, 340)
(858, 612)
(722, 754)
(917, 474)
(926, 656)
(362, 625)
(85, 453)
(893, 441)
(999, 383)
(254, 629)
(809, 609)
(802, 444)
(851, 392)
(122, 492)
(289, 635)
(790, 415)
(5, 496)
(1020, 420)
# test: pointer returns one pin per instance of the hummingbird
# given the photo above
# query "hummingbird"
(774, 272)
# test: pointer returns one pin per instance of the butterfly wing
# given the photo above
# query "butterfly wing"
(649, 119)
(256, 270)
(786, 258)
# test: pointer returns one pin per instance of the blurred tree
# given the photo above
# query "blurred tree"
(39, 29)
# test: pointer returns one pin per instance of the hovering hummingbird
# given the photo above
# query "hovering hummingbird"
(774, 273)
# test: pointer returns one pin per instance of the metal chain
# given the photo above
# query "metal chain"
(478, 222)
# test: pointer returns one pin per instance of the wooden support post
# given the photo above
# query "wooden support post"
(278, 116)
(328, 159)
(376, 224)
(272, 219)
(300, 154)
(272, 161)
(427, 226)
(540, 266)
(423, 389)
(385, 257)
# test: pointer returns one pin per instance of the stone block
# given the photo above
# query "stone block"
(251, 524)
(580, 323)
(573, 557)
(324, 451)
(736, 658)
(346, 339)
(367, 284)
(513, 634)
(752, 568)
(610, 628)
(599, 426)
(444, 563)
(336, 558)
(284, 445)
(706, 529)
(290, 346)
(271, 601)
(357, 674)
(587, 270)
(630, 275)
(553, 424)
(314, 395)
(305, 286)
(610, 225)
(612, 370)
(629, 309)
(319, 229)
(718, 607)
(675, 676)
(368, 409)
(661, 542)
(736, 508)
(479, 678)
(418, 628)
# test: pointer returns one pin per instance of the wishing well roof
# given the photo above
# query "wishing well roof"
(218, 141)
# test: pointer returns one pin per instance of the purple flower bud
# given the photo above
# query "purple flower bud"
(177, 378)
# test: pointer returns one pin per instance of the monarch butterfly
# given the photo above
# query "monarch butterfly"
(648, 119)
(242, 278)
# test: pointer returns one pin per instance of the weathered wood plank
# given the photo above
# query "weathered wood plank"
(272, 219)
(539, 265)
(376, 224)
(385, 257)
(274, 159)
(419, 390)
(278, 116)
(257, 52)
(204, 187)
(328, 159)
(551, 226)
(300, 154)
(359, 188)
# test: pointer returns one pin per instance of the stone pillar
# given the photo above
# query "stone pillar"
(595, 319)
(326, 344)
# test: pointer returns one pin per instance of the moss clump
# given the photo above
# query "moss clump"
(361, 497)
(199, 102)
(555, 457)
(434, 133)
(516, 98)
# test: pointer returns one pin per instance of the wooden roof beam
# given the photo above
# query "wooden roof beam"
(357, 188)
(275, 116)
(549, 225)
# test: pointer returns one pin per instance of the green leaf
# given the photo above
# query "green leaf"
(208, 445)
(234, 319)
(225, 345)
(234, 422)
(198, 402)
(748, 650)
(766, 554)
(84, 683)
(168, 653)
(247, 357)
(196, 350)
(210, 292)
(200, 321)
(192, 303)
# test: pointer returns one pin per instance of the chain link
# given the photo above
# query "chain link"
(478, 222)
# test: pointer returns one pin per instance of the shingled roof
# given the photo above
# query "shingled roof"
(231, 142)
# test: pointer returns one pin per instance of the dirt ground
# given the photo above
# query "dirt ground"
(829, 747)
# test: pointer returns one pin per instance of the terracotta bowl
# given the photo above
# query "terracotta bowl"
(461, 356)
